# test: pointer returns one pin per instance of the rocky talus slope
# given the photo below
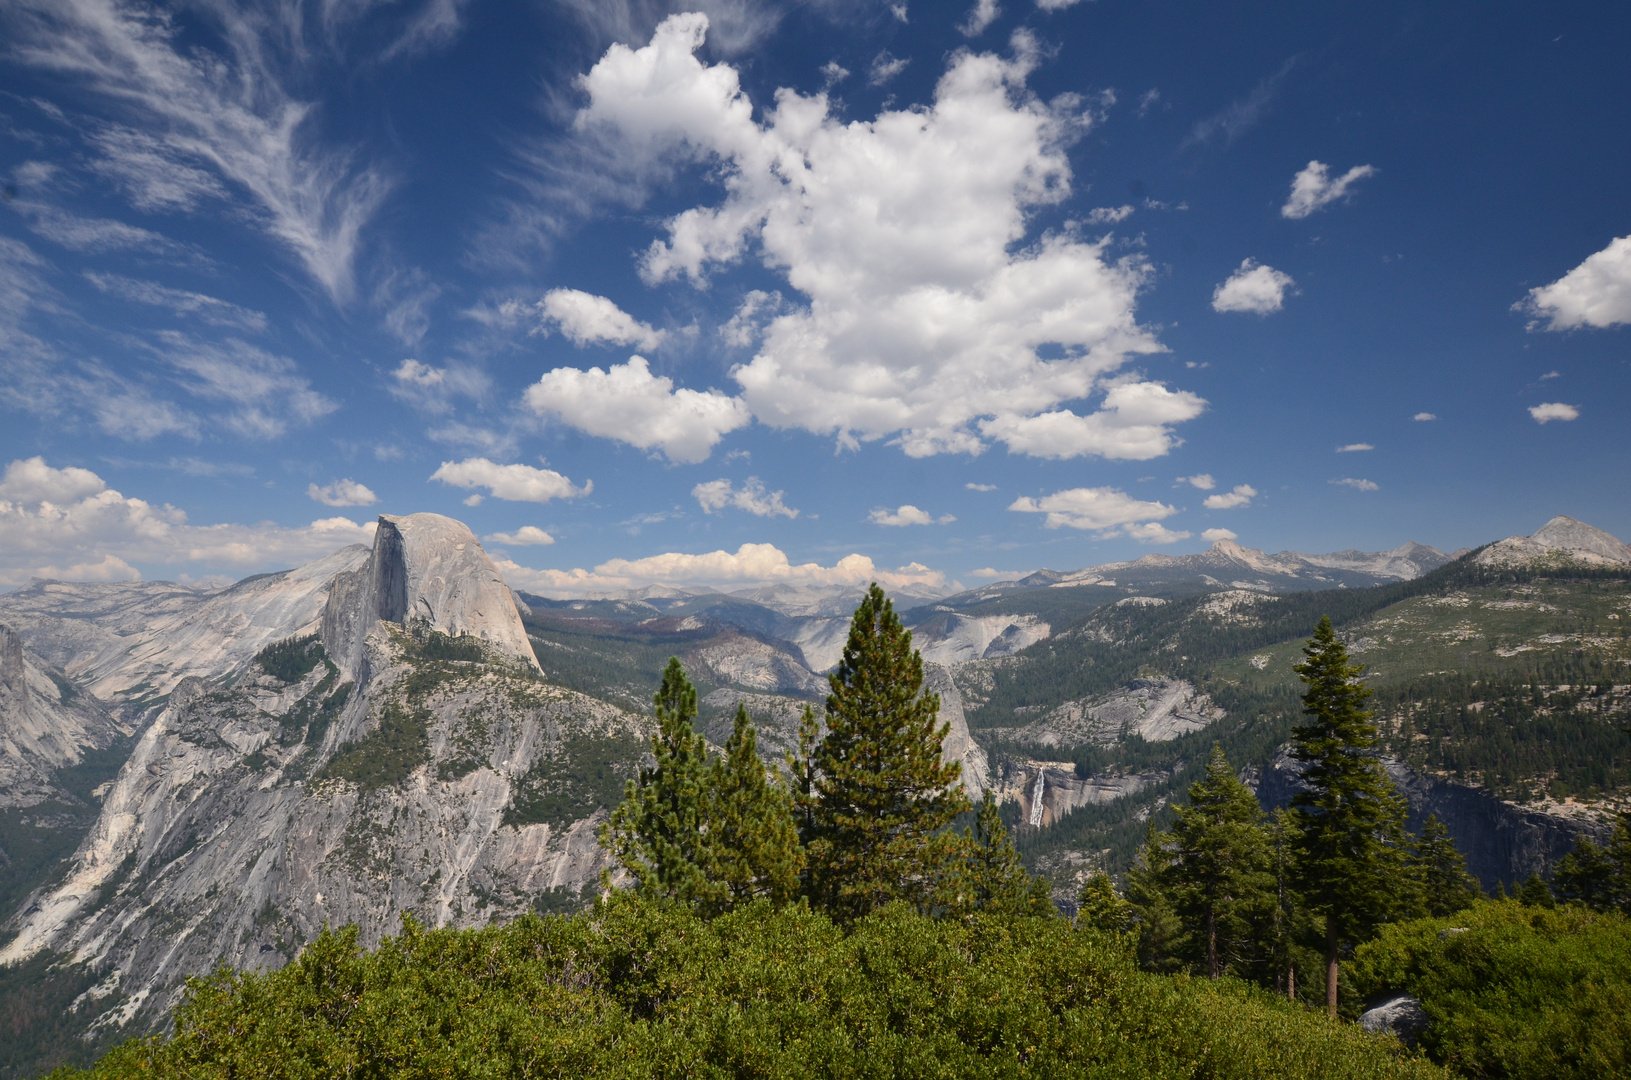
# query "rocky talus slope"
(407, 758)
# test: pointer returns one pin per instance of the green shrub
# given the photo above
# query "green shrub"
(1513, 991)
(633, 989)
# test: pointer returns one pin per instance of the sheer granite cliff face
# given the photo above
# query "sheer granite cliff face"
(133, 643)
(426, 768)
(44, 726)
(425, 568)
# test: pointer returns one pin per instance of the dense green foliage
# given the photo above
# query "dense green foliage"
(584, 773)
(1218, 874)
(1558, 729)
(1598, 877)
(386, 756)
(882, 797)
(1350, 849)
(1513, 991)
(659, 832)
(641, 989)
(756, 844)
(1440, 872)
(291, 659)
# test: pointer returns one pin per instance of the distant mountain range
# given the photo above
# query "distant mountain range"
(237, 809)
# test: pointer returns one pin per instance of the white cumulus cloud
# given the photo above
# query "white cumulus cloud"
(517, 483)
(906, 515)
(751, 496)
(1203, 481)
(1253, 288)
(1358, 484)
(345, 492)
(1313, 188)
(525, 536)
(632, 405)
(1215, 535)
(1104, 509)
(587, 319)
(1424, 416)
(1553, 410)
(1595, 293)
(1133, 423)
(980, 487)
(1354, 448)
(67, 523)
(1242, 495)
(748, 566)
(926, 307)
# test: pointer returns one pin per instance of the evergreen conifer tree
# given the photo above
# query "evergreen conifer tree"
(1351, 846)
(1100, 907)
(755, 848)
(1160, 932)
(1441, 872)
(881, 796)
(1535, 893)
(1218, 879)
(660, 832)
(1598, 877)
(1284, 921)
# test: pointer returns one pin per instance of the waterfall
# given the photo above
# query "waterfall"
(1036, 797)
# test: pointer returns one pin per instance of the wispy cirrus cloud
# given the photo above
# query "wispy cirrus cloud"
(206, 309)
(190, 124)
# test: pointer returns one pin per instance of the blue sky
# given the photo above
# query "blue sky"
(917, 291)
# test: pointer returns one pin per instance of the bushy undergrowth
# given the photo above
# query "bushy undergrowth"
(633, 989)
(1513, 991)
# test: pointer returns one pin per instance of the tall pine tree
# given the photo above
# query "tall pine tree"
(1218, 879)
(755, 848)
(881, 796)
(1441, 872)
(660, 832)
(1351, 842)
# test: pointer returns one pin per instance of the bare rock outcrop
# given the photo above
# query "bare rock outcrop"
(1563, 539)
(429, 569)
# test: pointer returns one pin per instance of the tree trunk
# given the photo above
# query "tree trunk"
(1291, 981)
(1212, 942)
(1331, 964)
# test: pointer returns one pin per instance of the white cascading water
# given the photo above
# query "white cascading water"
(1036, 797)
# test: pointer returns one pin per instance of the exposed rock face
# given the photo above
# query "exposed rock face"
(424, 568)
(1049, 790)
(1502, 842)
(44, 726)
(1227, 563)
(131, 644)
(960, 638)
(1561, 539)
(959, 744)
(745, 661)
(1400, 1015)
(1156, 710)
(438, 775)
